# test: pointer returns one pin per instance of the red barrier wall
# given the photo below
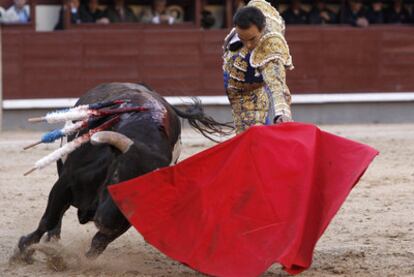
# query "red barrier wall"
(183, 62)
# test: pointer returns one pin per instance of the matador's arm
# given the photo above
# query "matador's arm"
(274, 76)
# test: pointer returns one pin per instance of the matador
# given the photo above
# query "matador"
(256, 56)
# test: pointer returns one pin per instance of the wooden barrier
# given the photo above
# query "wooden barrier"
(187, 61)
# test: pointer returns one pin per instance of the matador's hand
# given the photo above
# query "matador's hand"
(282, 118)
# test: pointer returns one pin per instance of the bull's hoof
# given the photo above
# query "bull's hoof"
(23, 244)
(24, 253)
(92, 254)
(22, 257)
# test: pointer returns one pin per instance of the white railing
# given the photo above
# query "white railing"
(52, 103)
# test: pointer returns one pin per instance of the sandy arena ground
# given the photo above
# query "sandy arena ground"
(372, 235)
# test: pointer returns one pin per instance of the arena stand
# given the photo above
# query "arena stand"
(342, 74)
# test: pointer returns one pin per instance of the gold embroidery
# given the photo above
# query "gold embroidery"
(236, 74)
(243, 52)
(274, 75)
(249, 108)
(240, 64)
(270, 47)
(267, 9)
(235, 84)
(241, 87)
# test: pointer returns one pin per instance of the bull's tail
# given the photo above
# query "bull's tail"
(206, 125)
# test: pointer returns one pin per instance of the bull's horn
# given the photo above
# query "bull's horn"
(120, 141)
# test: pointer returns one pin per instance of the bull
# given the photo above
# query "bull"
(139, 143)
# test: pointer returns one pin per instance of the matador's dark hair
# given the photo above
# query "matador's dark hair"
(246, 16)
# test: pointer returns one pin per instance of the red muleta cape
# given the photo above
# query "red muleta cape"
(264, 196)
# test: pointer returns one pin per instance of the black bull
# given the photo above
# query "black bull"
(143, 142)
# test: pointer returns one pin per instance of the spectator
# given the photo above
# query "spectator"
(73, 6)
(397, 13)
(207, 19)
(120, 12)
(354, 14)
(177, 12)
(91, 13)
(321, 14)
(295, 14)
(2, 14)
(375, 13)
(19, 12)
(158, 14)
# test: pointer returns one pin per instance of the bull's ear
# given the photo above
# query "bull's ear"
(120, 141)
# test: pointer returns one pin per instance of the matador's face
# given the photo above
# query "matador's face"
(249, 37)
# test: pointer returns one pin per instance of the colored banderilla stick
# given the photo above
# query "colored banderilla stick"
(73, 127)
(72, 146)
(69, 129)
(76, 113)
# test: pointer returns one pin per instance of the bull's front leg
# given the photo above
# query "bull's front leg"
(54, 234)
(111, 224)
(58, 202)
